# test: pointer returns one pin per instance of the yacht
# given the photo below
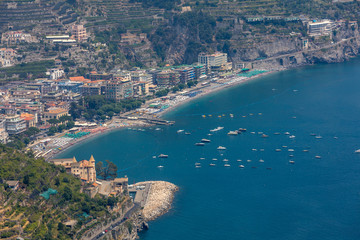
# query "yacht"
(202, 158)
(242, 129)
(180, 131)
(357, 151)
(154, 156)
(233, 133)
(197, 166)
(277, 133)
(291, 161)
(292, 136)
(241, 166)
(312, 134)
(287, 133)
(291, 150)
(305, 150)
(226, 165)
(239, 160)
(264, 136)
(225, 160)
(278, 150)
(163, 156)
(261, 160)
(221, 148)
(212, 164)
(200, 144)
(216, 129)
(318, 157)
(187, 133)
(248, 160)
(160, 166)
(214, 159)
(204, 140)
(318, 137)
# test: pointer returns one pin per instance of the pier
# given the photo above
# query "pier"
(150, 120)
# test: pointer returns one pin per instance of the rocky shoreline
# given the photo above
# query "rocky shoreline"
(159, 199)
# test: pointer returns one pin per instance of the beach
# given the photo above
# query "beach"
(113, 124)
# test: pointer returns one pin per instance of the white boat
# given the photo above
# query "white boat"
(160, 166)
(216, 129)
(204, 140)
(261, 160)
(241, 166)
(239, 160)
(318, 137)
(212, 164)
(163, 156)
(225, 160)
(287, 133)
(318, 157)
(284, 146)
(231, 115)
(202, 158)
(157, 129)
(200, 144)
(248, 160)
(291, 150)
(277, 133)
(291, 161)
(278, 150)
(292, 136)
(233, 133)
(214, 159)
(226, 165)
(221, 148)
(254, 149)
(187, 133)
(180, 131)
(305, 150)
(357, 151)
(197, 166)
(154, 156)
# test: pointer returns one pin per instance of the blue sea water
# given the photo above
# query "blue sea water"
(315, 198)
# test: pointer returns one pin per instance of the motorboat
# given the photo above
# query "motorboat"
(318, 137)
(214, 159)
(160, 166)
(233, 133)
(242, 129)
(291, 161)
(204, 140)
(318, 157)
(357, 151)
(287, 133)
(261, 160)
(291, 150)
(226, 165)
(216, 129)
(180, 131)
(241, 166)
(248, 160)
(187, 133)
(292, 136)
(264, 136)
(202, 158)
(163, 156)
(221, 148)
(225, 160)
(239, 160)
(278, 150)
(212, 164)
(200, 144)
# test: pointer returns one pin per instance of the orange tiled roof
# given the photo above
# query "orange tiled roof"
(79, 79)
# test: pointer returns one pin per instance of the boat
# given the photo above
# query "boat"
(252, 132)
(214, 159)
(160, 166)
(216, 129)
(268, 168)
(231, 115)
(277, 133)
(221, 148)
(292, 136)
(318, 137)
(248, 160)
(239, 160)
(241, 166)
(253, 167)
(154, 156)
(254, 149)
(163, 156)
(200, 144)
(318, 157)
(225, 160)
(305, 150)
(209, 134)
(157, 129)
(261, 160)
(278, 150)
(202, 158)
(291, 161)
(204, 140)
(312, 134)
(291, 155)
(212, 164)
(187, 133)
(357, 151)
(264, 136)
(197, 166)
(226, 165)
(261, 150)
(203, 116)
(180, 130)
(242, 129)
(284, 146)
(287, 133)
(291, 150)
(233, 133)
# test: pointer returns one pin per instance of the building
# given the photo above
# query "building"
(200, 71)
(213, 61)
(14, 124)
(186, 74)
(119, 89)
(119, 185)
(68, 85)
(29, 119)
(3, 134)
(7, 53)
(56, 73)
(90, 90)
(13, 185)
(78, 32)
(141, 88)
(320, 28)
(55, 113)
(167, 78)
(16, 37)
(85, 170)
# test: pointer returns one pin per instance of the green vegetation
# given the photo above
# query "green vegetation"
(167, 4)
(107, 170)
(41, 218)
(37, 69)
(19, 141)
(100, 108)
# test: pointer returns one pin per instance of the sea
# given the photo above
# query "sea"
(309, 189)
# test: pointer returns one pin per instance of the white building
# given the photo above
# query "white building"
(320, 28)
(215, 60)
(56, 73)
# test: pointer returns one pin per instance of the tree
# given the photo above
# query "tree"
(67, 193)
(107, 170)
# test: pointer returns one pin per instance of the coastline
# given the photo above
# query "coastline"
(205, 91)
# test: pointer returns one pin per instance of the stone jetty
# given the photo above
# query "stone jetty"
(159, 199)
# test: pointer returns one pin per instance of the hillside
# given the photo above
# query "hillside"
(175, 31)
(28, 214)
